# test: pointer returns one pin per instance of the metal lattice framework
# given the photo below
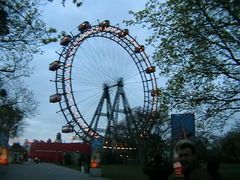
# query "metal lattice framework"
(64, 65)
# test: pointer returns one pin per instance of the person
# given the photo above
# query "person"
(191, 168)
(157, 169)
(212, 168)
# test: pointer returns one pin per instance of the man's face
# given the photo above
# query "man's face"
(186, 157)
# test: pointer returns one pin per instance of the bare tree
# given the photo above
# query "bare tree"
(22, 33)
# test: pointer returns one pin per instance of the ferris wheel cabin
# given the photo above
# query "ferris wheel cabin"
(123, 33)
(65, 40)
(104, 24)
(150, 69)
(84, 26)
(55, 98)
(55, 65)
(155, 92)
(139, 49)
(67, 129)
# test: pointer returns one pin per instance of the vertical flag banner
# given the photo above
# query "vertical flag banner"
(96, 146)
(3, 156)
(3, 148)
(183, 127)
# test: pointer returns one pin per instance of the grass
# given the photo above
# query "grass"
(230, 171)
(123, 172)
(134, 172)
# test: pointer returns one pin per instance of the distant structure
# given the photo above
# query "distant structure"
(62, 153)
(17, 153)
(58, 138)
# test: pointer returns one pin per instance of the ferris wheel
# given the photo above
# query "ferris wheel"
(102, 73)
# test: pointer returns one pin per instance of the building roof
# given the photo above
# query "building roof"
(60, 147)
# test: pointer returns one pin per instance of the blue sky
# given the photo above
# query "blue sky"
(47, 122)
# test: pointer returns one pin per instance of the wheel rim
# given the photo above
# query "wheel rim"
(74, 51)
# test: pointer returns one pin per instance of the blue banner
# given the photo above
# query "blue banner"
(96, 155)
(3, 139)
(183, 127)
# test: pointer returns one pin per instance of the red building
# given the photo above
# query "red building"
(56, 152)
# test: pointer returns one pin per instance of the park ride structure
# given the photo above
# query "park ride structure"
(81, 64)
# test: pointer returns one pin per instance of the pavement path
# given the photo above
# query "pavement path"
(44, 171)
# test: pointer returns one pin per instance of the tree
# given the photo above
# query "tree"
(230, 145)
(147, 134)
(197, 47)
(78, 3)
(152, 133)
(15, 106)
(22, 33)
(11, 120)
